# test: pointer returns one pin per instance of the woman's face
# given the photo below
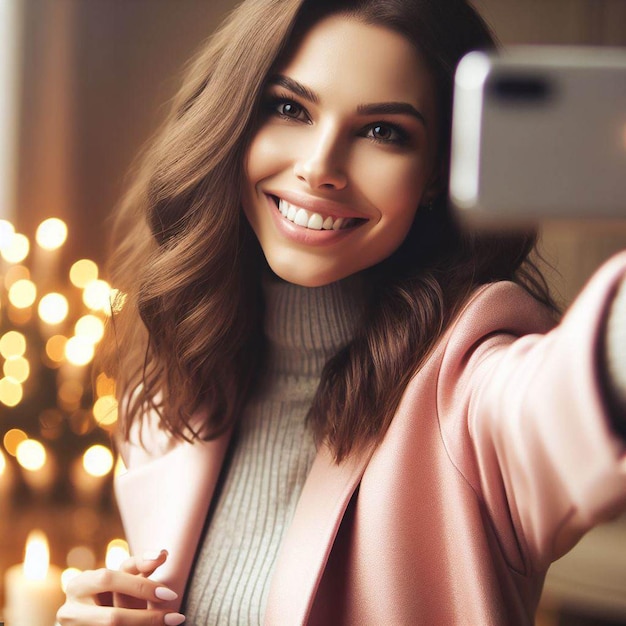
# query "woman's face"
(344, 153)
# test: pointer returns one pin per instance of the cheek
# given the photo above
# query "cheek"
(395, 187)
(266, 155)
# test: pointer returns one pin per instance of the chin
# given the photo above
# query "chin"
(307, 278)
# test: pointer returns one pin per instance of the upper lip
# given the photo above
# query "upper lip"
(318, 205)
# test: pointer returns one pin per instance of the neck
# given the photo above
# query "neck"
(305, 326)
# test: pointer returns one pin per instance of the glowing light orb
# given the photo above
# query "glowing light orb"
(53, 308)
(31, 454)
(98, 460)
(51, 233)
(83, 272)
(16, 250)
(22, 293)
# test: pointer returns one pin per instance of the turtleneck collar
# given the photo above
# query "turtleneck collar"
(305, 326)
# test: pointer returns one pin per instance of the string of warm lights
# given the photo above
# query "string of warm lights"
(50, 324)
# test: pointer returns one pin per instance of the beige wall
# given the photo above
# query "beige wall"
(97, 75)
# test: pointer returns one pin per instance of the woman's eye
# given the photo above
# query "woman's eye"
(289, 110)
(386, 133)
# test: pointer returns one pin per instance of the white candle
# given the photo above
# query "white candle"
(33, 588)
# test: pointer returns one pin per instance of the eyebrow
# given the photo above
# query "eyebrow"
(378, 108)
(293, 85)
(391, 108)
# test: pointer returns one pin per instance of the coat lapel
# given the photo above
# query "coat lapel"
(308, 541)
(164, 504)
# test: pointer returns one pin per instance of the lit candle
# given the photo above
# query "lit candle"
(33, 588)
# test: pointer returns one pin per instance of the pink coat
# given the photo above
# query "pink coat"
(499, 457)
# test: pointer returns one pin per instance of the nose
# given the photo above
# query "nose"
(321, 164)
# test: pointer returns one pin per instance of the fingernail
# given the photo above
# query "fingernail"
(173, 619)
(152, 555)
(163, 593)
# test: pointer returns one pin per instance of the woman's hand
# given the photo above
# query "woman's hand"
(121, 597)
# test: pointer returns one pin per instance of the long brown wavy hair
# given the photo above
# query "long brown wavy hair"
(188, 339)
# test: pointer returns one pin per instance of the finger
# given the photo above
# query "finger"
(84, 615)
(142, 566)
(146, 564)
(85, 587)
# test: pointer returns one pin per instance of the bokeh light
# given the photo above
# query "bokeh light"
(55, 348)
(83, 272)
(117, 552)
(98, 460)
(12, 439)
(79, 351)
(97, 295)
(7, 230)
(11, 392)
(81, 557)
(16, 250)
(90, 327)
(67, 575)
(105, 386)
(15, 273)
(51, 422)
(69, 394)
(53, 308)
(22, 293)
(51, 233)
(16, 367)
(105, 410)
(12, 343)
(31, 454)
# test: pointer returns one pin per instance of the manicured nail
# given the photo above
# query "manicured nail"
(152, 555)
(173, 619)
(163, 593)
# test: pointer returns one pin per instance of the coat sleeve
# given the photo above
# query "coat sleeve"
(524, 418)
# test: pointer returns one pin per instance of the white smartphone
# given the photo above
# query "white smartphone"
(539, 133)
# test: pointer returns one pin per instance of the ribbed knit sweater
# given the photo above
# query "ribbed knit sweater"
(270, 455)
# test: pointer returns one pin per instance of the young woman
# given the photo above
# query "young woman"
(338, 408)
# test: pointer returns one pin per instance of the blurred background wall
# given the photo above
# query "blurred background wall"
(92, 79)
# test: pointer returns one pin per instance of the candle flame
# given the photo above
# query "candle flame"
(37, 556)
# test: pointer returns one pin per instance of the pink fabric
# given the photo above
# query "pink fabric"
(499, 458)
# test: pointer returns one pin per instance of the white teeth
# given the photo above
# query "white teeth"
(314, 221)
(302, 218)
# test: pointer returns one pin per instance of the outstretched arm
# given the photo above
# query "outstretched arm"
(614, 359)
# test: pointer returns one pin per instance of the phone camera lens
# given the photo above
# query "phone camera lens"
(519, 89)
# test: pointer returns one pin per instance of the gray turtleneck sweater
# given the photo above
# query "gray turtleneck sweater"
(271, 454)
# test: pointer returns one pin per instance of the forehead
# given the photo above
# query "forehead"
(360, 61)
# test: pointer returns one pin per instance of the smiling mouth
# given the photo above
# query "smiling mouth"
(314, 221)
